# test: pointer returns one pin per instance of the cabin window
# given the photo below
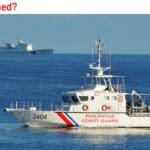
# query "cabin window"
(92, 98)
(83, 98)
(66, 99)
(75, 99)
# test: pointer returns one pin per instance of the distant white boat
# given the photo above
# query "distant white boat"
(23, 47)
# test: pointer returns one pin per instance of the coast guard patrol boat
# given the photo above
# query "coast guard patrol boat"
(102, 103)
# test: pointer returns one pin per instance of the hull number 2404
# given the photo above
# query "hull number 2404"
(39, 116)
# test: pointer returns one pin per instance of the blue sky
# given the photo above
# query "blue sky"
(77, 33)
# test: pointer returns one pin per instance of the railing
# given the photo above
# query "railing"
(25, 105)
(119, 87)
(33, 106)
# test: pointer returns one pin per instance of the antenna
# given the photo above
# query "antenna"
(92, 63)
(92, 57)
(110, 62)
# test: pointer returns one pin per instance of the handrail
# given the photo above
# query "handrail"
(26, 105)
(33, 106)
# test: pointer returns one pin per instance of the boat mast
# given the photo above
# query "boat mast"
(100, 70)
(97, 67)
(99, 50)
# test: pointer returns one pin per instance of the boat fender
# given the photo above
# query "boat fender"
(120, 98)
(85, 107)
(104, 107)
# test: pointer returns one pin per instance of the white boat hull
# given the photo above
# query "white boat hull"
(53, 119)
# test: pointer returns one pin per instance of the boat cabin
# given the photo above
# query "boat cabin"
(102, 91)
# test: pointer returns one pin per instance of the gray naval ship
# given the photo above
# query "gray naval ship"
(23, 47)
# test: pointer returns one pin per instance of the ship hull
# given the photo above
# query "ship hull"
(34, 52)
(53, 119)
(41, 51)
(14, 50)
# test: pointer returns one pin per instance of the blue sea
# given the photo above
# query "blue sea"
(43, 78)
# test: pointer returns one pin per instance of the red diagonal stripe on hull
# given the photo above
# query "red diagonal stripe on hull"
(64, 118)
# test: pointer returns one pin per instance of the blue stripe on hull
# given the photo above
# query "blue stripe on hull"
(75, 123)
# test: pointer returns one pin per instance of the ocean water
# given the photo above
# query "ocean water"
(44, 78)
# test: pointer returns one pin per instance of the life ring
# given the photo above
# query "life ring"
(104, 107)
(85, 107)
(120, 98)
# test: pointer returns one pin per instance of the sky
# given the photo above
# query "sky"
(122, 34)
